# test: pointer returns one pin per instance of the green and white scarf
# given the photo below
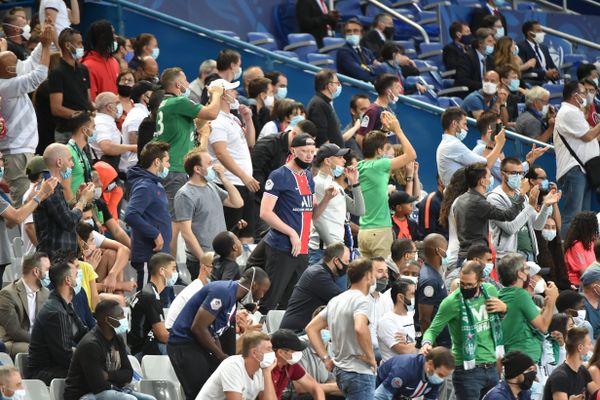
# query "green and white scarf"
(469, 332)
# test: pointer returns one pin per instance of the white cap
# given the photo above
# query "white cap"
(226, 84)
(534, 269)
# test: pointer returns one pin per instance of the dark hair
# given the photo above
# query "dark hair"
(227, 57)
(32, 261)
(84, 231)
(400, 287)
(400, 247)
(323, 78)
(152, 151)
(274, 76)
(308, 126)
(372, 142)
(590, 82)
(58, 272)
(584, 70)
(559, 323)
(450, 115)
(568, 299)
(583, 228)
(257, 86)
(191, 159)
(441, 357)
(509, 160)
(456, 187)
(63, 255)
(528, 27)
(143, 39)
(100, 38)
(77, 120)
(259, 275)
(384, 82)
(354, 21)
(379, 18)
(358, 268)
(389, 50)
(470, 267)
(158, 261)
(531, 174)
(455, 28)
(489, 21)
(504, 70)
(477, 251)
(597, 249)
(354, 99)
(223, 243)
(474, 173)
(484, 121)
(575, 337)
(334, 250)
(105, 308)
(570, 89)
(66, 35)
(285, 108)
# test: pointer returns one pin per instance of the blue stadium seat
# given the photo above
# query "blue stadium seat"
(571, 62)
(423, 98)
(467, 3)
(351, 9)
(262, 39)
(321, 60)
(556, 91)
(434, 4)
(408, 46)
(288, 54)
(301, 44)
(432, 52)
(284, 21)
(445, 102)
(331, 46)
(231, 34)
(527, 6)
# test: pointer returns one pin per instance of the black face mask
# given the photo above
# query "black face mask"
(527, 281)
(124, 90)
(388, 32)
(468, 293)
(529, 379)
(342, 272)
(250, 307)
(466, 40)
(302, 164)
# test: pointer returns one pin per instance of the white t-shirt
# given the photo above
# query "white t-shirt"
(62, 18)
(106, 129)
(181, 300)
(131, 124)
(377, 311)
(98, 238)
(270, 128)
(231, 376)
(572, 125)
(28, 247)
(227, 128)
(390, 325)
(332, 219)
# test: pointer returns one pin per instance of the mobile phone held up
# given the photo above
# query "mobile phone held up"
(496, 130)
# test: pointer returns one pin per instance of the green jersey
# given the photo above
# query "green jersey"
(374, 177)
(449, 314)
(175, 125)
(81, 166)
(516, 326)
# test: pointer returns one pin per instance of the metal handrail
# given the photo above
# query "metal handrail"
(401, 17)
(556, 6)
(571, 38)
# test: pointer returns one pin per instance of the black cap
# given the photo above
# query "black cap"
(397, 198)
(303, 139)
(515, 363)
(330, 150)
(287, 339)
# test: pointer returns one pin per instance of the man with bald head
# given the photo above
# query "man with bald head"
(488, 98)
(248, 76)
(108, 145)
(19, 145)
(430, 287)
(147, 70)
(54, 220)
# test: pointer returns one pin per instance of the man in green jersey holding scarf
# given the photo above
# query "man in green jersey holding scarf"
(473, 317)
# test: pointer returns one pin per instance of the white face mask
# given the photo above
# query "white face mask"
(373, 287)
(581, 314)
(296, 357)
(540, 287)
(414, 279)
(20, 394)
(549, 234)
(539, 37)
(268, 359)
(545, 109)
(269, 101)
(235, 105)
(489, 88)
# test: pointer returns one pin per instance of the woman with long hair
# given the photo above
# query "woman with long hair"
(579, 245)
(405, 179)
(507, 52)
(551, 254)
(457, 186)
(125, 82)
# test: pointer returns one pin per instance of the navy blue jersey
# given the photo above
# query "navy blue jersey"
(403, 375)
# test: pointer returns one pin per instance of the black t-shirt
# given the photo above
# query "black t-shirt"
(20, 51)
(225, 270)
(73, 82)
(103, 211)
(145, 132)
(146, 310)
(564, 379)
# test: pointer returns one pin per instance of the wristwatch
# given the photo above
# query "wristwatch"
(36, 199)
(325, 358)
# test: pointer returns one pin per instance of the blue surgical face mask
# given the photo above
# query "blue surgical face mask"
(115, 46)
(490, 185)
(185, 92)
(353, 40)
(326, 336)
(499, 33)
(238, 74)
(499, 3)
(434, 379)
(487, 270)
(489, 50)
(171, 281)
(514, 181)
(1, 172)
(210, 174)
(129, 56)
(155, 52)
(514, 85)
(119, 111)
(545, 184)
(93, 137)
(516, 50)
(586, 357)
(595, 81)
(445, 260)
(66, 174)
(78, 53)
(78, 281)
(337, 171)
(45, 280)
(281, 93)
(294, 121)
(337, 92)
(163, 174)
(462, 134)
(123, 326)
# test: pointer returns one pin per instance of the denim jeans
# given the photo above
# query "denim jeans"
(314, 256)
(473, 383)
(116, 395)
(577, 196)
(382, 393)
(355, 386)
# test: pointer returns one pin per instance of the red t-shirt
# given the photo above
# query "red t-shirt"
(282, 376)
(402, 225)
(103, 73)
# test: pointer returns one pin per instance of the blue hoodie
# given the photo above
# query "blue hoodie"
(147, 213)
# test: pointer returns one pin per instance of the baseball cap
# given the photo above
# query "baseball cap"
(534, 269)
(330, 150)
(591, 275)
(225, 83)
(35, 166)
(303, 139)
(398, 197)
(287, 339)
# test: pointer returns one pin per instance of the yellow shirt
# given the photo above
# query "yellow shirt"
(89, 274)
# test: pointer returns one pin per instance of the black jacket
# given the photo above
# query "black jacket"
(372, 40)
(56, 331)
(321, 113)
(94, 357)
(526, 53)
(312, 20)
(468, 73)
(413, 228)
(479, 14)
(269, 153)
(453, 55)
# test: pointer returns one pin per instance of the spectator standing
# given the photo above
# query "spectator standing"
(316, 18)
(375, 236)
(19, 115)
(533, 47)
(230, 144)
(229, 67)
(147, 212)
(280, 84)
(348, 317)
(102, 66)
(57, 328)
(579, 245)
(228, 247)
(354, 60)
(429, 212)
(144, 45)
(320, 108)
(591, 299)
(17, 32)
(69, 84)
(519, 376)
(58, 12)
(199, 206)
(125, 81)
(572, 129)
(262, 92)
(21, 302)
(55, 221)
(382, 31)
(401, 205)
(316, 287)
(34, 170)
(147, 70)
(472, 315)
(478, 60)
(100, 367)
(288, 207)
(82, 128)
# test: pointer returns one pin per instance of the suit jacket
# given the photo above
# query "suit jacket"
(351, 64)
(14, 311)
(312, 20)
(372, 40)
(321, 113)
(479, 14)
(526, 53)
(453, 56)
(469, 72)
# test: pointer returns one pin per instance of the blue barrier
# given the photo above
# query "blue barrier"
(186, 45)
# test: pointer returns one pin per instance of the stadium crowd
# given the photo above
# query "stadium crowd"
(372, 285)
